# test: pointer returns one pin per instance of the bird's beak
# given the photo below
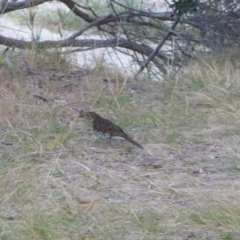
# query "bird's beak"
(81, 113)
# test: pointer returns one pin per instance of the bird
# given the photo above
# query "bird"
(105, 129)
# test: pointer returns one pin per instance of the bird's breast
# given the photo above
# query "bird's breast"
(118, 138)
(102, 135)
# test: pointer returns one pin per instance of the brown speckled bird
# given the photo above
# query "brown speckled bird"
(105, 129)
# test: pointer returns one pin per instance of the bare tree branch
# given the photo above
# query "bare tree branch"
(88, 43)
(13, 6)
(154, 53)
(98, 22)
(74, 8)
(140, 33)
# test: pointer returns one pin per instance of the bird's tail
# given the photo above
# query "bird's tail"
(133, 142)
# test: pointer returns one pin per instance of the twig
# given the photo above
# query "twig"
(42, 98)
(92, 24)
(7, 143)
(155, 52)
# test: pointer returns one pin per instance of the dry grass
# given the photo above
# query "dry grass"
(58, 181)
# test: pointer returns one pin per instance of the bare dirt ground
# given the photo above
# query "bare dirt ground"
(61, 182)
(58, 181)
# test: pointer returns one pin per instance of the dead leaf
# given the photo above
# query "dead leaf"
(85, 200)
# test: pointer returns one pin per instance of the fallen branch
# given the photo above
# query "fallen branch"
(88, 43)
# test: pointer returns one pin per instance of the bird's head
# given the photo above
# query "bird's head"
(90, 116)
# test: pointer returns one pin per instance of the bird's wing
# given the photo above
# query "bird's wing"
(105, 125)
